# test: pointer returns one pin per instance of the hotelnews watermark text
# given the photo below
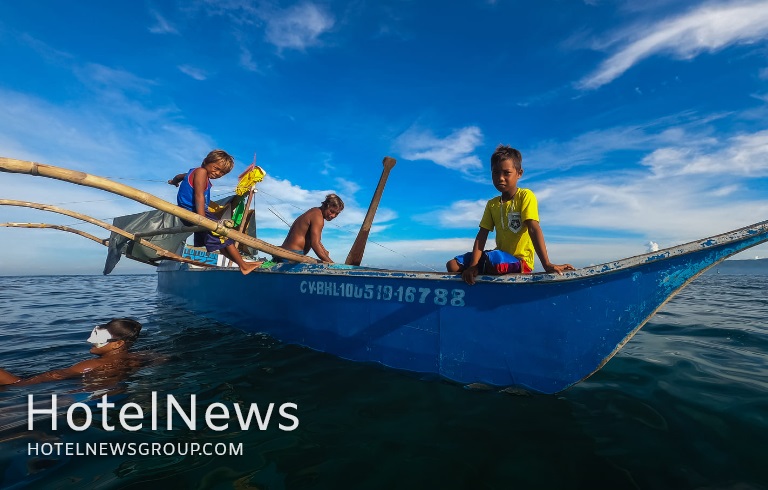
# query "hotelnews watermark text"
(132, 417)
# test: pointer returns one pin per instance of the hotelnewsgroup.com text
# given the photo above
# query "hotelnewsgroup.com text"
(134, 449)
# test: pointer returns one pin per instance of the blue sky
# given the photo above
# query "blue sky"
(638, 122)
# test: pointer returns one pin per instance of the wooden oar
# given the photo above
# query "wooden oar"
(46, 207)
(355, 256)
(82, 178)
(102, 241)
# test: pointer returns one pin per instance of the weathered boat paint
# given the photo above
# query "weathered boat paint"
(542, 332)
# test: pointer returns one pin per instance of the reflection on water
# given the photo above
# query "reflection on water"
(682, 406)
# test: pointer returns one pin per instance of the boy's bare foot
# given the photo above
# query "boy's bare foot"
(250, 266)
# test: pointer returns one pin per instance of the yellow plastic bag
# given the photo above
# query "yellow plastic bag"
(249, 178)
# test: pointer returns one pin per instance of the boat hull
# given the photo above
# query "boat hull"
(540, 332)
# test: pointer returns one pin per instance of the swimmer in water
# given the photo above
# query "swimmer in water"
(111, 342)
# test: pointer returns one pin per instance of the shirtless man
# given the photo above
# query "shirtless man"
(306, 231)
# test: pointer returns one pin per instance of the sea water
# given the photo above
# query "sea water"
(683, 405)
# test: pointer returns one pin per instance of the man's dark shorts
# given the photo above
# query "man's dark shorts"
(207, 239)
(279, 260)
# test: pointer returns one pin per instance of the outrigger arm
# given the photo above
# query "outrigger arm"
(102, 241)
(46, 207)
(81, 178)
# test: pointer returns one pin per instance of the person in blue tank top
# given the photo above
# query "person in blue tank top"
(195, 195)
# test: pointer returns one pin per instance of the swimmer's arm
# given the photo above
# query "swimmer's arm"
(74, 371)
(7, 378)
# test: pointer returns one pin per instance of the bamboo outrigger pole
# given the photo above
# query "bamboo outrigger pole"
(355, 256)
(46, 207)
(82, 178)
(102, 241)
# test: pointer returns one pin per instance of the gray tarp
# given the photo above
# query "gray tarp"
(150, 221)
(142, 223)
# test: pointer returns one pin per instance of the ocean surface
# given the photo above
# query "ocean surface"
(683, 406)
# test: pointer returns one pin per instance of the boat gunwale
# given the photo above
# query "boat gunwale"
(739, 234)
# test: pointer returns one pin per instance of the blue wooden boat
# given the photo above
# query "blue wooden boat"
(540, 332)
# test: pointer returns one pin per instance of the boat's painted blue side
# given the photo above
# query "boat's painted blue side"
(542, 332)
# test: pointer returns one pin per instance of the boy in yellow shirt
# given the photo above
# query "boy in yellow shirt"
(515, 217)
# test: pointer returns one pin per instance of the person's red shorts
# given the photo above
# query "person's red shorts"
(496, 262)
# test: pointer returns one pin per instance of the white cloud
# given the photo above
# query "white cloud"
(191, 71)
(161, 25)
(595, 147)
(706, 29)
(298, 27)
(727, 190)
(50, 133)
(455, 151)
(741, 155)
(246, 60)
(239, 12)
(105, 133)
(105, 79)
(460, 214)
(672, 210)
(347, 188)
(587, 148)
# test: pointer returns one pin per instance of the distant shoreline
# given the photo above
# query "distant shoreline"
(745, 266)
